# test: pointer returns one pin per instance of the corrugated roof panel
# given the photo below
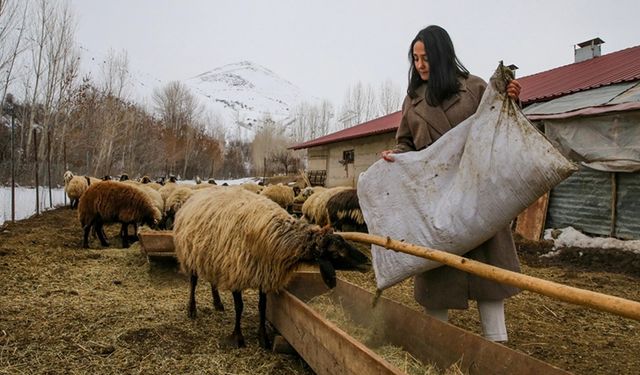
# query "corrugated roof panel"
(620, 66)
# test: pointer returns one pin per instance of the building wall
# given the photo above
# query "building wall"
(366, 152)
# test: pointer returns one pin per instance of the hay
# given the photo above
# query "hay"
(67, 310)
(371, 336)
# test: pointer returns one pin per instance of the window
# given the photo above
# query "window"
(347, 157)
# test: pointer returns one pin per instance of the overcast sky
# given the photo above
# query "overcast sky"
(325, 46)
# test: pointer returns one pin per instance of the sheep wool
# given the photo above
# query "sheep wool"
(67, 177)
(239, 240)
(177, 199)
(344, 208)
(76, 186)
(282, 195)
(314, 208)
(111, 202)
(252, 187)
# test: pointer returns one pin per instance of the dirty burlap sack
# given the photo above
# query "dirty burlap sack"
(458, 192)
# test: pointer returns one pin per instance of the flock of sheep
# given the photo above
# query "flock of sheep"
(234, 237)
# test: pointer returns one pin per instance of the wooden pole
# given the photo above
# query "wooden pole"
(49, 167)
(598, 301)
(66, 167)
(35, 155)
(13, 169)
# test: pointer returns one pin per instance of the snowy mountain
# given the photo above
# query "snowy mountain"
(244, 93)
(241, 94)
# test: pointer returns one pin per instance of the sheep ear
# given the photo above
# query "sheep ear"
(327, 272)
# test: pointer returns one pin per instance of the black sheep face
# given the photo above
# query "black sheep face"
(338, 254)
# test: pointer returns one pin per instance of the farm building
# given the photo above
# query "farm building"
(590, 109)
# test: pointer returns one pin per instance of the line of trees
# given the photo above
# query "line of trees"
(90, 125)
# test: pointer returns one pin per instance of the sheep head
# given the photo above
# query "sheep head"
(333, 252)
(154, 219)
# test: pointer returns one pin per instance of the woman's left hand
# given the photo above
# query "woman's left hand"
(513, 89)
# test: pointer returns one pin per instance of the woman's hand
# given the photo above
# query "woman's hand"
(513, 89)
(388, 155)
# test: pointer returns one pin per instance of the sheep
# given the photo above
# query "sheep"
(212, 181)
(154, 185)
(252, 187)
(282, 195)
(344, 209)
(174, 202)
(166, 190)
(74, 189)
(124, 177)
(238, 240)
(114, 202)
(314, 208)
(67, 177)
(145, 179)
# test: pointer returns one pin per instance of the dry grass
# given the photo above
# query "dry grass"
(66, 310)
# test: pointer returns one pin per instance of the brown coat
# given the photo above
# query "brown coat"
(447, 287)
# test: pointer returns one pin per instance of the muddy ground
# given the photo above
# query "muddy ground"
(65, 310)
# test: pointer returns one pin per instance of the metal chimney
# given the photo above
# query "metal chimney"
(588, 50)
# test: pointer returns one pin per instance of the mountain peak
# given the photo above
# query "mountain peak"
(245, 92)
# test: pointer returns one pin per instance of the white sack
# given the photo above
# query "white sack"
(461, 190)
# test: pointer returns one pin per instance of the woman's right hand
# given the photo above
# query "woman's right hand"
(387, 155)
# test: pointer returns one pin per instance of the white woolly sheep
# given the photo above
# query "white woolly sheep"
(282, 195)
(114, 202)
(314, 208)
(239, 240)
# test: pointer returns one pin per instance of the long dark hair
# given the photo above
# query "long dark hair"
(444, 66)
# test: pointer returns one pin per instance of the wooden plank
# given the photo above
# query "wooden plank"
(154, 242)
(530, 223)
(327, 349)
(427, 339)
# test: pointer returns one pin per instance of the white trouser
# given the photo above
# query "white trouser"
(491, 318)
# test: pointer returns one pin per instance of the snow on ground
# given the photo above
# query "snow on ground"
(570, 237)
(26, 199)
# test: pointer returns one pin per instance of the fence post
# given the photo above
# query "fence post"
(49, 166)
(35, 149)
(13, 170)
(66, 167)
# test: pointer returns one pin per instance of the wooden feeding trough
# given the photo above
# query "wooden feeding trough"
(329, 350)
(156, 244)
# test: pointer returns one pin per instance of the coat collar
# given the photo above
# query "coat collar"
(436, 116)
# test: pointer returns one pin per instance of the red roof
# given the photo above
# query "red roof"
(384, 124)
(615, 67)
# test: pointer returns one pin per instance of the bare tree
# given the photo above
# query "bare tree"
(358, 105)
(268, 138)
(12, 27)
(180, 111)
(389, 98)
(310, 121)
(116, 76)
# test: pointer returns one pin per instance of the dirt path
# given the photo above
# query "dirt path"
(65, 310)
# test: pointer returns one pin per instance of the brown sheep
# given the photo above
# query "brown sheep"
(114, 202)
(239, 240)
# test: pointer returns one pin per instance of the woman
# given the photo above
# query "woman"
(442, 94)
